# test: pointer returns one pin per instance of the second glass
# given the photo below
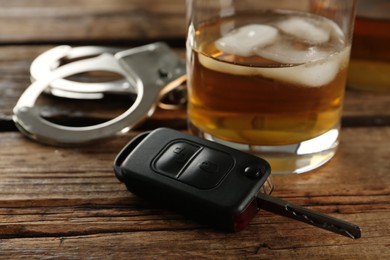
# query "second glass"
(268, 77)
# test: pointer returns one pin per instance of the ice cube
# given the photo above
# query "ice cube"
(305, 29)
(244, 40)
(286, 52)
(314, 74)
(310, 75)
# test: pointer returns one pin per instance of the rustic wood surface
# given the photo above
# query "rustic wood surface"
(65, 203)
(37, 21)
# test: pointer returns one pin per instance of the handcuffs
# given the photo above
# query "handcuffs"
(152, 72)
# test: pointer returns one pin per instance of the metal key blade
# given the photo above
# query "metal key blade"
(308, 216)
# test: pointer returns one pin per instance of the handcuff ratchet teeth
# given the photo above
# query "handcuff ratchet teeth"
(150, 71)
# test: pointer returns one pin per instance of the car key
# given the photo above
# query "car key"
(209, 181)
(308, 216)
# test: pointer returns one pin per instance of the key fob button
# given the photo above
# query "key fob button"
(253, 171)
(174, 158)
(207, 169)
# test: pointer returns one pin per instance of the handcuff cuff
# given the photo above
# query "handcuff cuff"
(152, 72)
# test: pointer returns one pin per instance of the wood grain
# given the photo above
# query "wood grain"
(96, 20)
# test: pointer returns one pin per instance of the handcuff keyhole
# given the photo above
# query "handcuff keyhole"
(163, 73)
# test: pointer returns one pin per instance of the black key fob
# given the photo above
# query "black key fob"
(207, 180)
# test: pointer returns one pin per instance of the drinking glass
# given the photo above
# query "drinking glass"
(268, 76)
(369, 68)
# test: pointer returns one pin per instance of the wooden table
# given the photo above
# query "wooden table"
(66, 202)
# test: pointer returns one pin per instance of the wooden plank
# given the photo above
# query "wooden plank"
(91, 20)
(203, 244)
(361, 103)
(14, 67)
(67, 201)
(47, 170)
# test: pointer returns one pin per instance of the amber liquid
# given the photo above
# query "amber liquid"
(370, 56)
(232, 99)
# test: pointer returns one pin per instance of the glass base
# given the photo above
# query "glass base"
(285, 159)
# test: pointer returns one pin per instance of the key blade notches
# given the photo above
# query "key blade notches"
(312, 217)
